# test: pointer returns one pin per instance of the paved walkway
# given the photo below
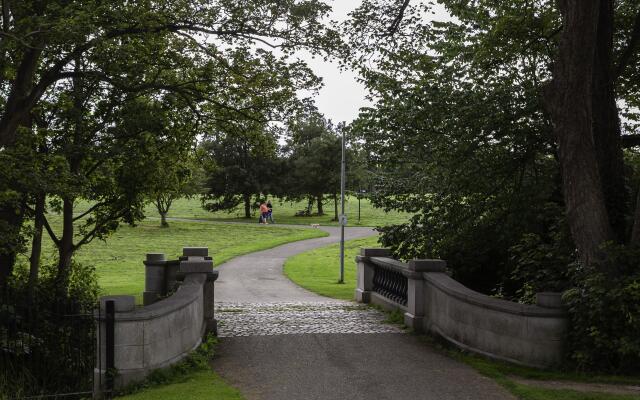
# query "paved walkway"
(280, 342)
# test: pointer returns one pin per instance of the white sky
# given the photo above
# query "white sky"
(342, 94)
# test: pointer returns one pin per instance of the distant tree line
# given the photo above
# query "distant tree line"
(301, 161)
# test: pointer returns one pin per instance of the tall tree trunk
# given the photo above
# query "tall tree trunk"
(310, 204)
(569, 99)
(5, 15)
(320, 199)
(163, 220)
(247, 205)
(66, 248)
(606, 125)
(18, 107)
(36, 244)
(335, 206)
(163, 204)
(11, 217)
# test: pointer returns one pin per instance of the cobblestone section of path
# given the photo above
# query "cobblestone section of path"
(268, 319)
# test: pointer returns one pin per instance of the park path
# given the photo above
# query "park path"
(279, 341)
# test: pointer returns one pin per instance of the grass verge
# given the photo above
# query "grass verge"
(318, 270)
(191, 378)
(118, 260)
(503, 373)
(284, 213)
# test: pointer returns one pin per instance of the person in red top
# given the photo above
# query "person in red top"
(264, 212)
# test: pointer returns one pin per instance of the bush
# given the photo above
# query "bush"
(541, 260)
(48, 336)
(604, 307)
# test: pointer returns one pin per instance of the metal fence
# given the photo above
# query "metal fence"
(47, 348)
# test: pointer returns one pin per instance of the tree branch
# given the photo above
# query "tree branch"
(91, 234)
(396, 22)
(52, 235)
(629, 141)
(91, 209)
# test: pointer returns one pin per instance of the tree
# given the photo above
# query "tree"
(314, 153)
(582, 102)
(460, 105)
(499, 130)
(176, 178)
(239, 163)
(137, 49)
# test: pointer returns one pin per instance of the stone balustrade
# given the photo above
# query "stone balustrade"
(531, 335)
(178, 311)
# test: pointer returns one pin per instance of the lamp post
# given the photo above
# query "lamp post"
(343, 218)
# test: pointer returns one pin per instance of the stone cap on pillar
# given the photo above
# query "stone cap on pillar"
(427, 265)
(375, 252)
(195, 251)
(155, 259)
(196, 265)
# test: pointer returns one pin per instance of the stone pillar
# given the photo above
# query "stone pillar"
(171, 271)
(122, 304)
(196, 260)
(209, 303)
(365, 270)
(416, 291)
(154, 278)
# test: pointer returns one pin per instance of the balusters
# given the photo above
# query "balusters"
(390, 284)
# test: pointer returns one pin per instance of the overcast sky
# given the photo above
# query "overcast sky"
(342, 94)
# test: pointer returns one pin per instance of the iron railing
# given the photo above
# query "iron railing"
(390, 284)
(47, 348)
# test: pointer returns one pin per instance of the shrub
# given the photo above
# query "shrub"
(604, 307)
(48, 335)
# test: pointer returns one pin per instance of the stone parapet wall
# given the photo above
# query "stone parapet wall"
(160, 333)
(524, 334)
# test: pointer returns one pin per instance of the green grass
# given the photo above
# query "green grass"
(318, 270)
(500, 372)
(118, 260)
(284, 213)
(201, 385)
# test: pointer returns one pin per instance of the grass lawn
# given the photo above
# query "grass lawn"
(284, 213)
(118, 260)
(319, 270)
(506, 375)
(201, 385)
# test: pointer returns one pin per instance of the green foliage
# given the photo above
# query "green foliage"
(47, 333)
(604, 306)
(458, 132)
(395, 317)
(240, 163)
(541, 260)
(314, 161)
(99, 92)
